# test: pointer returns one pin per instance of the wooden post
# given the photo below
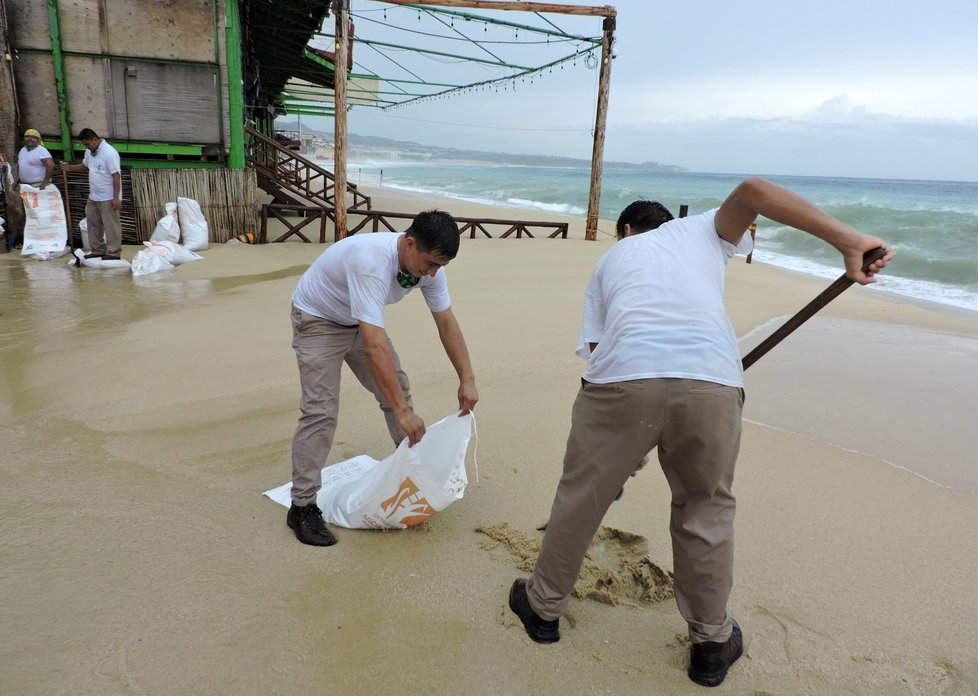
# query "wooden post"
(597, 154)
(342, 10)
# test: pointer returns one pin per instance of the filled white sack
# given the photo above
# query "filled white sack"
(406, 489)
(167, 227)
(48, 255)
(83, 226)
(45, 228)
(102, 264)
(172, 252)
(193, 226)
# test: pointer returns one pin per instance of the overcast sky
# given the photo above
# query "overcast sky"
(863, 88)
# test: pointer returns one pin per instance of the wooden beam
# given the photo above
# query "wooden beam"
(600, 119)
(556, 8)
(342, 10)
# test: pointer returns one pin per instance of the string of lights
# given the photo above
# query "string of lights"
(526, 53)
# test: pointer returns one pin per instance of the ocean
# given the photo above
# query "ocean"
(932, 225)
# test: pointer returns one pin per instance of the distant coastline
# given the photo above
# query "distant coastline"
(319, 144)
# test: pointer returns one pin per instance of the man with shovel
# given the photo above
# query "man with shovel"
(663, 371)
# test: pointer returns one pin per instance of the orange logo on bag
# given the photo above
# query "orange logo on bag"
(30, 199)
(408, 503)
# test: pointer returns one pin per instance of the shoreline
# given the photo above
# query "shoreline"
(915, 289)
(146, 416)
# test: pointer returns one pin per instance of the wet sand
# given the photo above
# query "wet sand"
(145, 416)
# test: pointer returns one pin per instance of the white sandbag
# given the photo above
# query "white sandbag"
(83, 226)
(103, 264)
(148, 261)
(168, 226)
(406, 489)
(48, 255)
(172, 252)
(45, 228)
(193, 226)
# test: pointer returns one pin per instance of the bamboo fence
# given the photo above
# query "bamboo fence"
(228, 198)
(75, 196)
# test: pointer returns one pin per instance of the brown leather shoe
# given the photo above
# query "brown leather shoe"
(709, 662)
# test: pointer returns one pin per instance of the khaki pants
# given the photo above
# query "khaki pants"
(321, 348)
(104, 228)
(696, 427)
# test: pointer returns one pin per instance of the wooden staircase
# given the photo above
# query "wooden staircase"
(288, 177)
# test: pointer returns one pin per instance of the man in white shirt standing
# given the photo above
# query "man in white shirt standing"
(338, 317)
(663, 371)
(104, 169)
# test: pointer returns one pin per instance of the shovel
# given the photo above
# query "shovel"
(809, 310)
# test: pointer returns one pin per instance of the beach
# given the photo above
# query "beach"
(145, 417)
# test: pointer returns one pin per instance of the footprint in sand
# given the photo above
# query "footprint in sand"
(616, 570)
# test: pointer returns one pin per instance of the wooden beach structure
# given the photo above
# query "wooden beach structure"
(188, 92)
(609, 14)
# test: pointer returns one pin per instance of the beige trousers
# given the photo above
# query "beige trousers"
(696, 427)
(321, 347)
(104, 228)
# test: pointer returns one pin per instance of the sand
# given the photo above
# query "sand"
(144, 417)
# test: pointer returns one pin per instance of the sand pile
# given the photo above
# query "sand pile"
(617, 569)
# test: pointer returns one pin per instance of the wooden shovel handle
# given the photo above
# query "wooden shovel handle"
(809, 310)
(67, 202)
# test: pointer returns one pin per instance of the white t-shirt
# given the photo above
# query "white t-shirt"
(355, 278)
(654, 306)
(30, 169)
(102, 164)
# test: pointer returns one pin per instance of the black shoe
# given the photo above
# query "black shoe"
(94, 256)
(111, 257)
(539, 630)
(309, 526)
(709, 662)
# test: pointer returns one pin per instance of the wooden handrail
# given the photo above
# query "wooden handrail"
(295, 173)
(382, 218)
